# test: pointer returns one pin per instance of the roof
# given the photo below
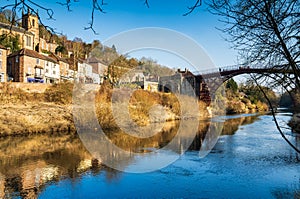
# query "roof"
(93, 60)
(58, 58)
(32, 53)
(14, 28)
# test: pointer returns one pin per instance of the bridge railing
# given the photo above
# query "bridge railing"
(218, 69)
(232, 68)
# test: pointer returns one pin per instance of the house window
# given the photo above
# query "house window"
(37, 61)
(33, 21)
(0, 64)
(47, 71)
(54, 72)
(28, 40)
(38, 72)
(0, 52)
(17, 59)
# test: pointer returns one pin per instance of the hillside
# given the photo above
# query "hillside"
(151, 67)
(247, 98)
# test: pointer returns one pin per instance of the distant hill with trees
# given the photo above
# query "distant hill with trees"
(151, 67)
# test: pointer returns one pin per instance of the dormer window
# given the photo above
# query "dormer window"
(33, 21)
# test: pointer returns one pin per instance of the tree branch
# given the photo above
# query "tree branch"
(96, 7)
(197, 4)
(146, 3)
(274, 116)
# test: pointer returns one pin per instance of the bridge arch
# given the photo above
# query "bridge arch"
(205, 83)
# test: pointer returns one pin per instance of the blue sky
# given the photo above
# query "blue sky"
(130, 14)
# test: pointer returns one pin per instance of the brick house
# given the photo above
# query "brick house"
(3, 56)
(29, 66)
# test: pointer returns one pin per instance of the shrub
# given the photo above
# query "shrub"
(60, 93)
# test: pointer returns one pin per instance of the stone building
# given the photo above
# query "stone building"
(151, 83)
(183, 82)
(28, 33)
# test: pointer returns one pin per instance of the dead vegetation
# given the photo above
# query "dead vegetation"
(25, 112)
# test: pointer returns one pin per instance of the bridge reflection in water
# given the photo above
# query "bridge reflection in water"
(29, 164)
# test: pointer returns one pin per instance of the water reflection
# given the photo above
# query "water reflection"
(29, 164)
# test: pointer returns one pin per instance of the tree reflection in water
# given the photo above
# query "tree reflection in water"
(29, 164)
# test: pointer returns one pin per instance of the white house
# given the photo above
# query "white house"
(88, 73)
(96, 78)
(52, 72)
(71, 75)
(80, 76)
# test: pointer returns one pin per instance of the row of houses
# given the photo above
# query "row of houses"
(28, 65)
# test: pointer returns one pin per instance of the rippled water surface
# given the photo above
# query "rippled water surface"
(250, 160)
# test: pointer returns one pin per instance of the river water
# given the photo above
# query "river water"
(250, 160)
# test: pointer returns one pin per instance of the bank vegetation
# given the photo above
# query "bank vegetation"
(26, 111)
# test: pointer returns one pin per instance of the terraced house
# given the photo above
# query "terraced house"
(37, 62)
(30, 66)
(66, 74)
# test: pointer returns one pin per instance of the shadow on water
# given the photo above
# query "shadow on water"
(287, 192)
(29, 164)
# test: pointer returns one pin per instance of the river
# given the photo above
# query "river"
(250, 160)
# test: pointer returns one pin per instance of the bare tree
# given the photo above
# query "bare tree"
(266, 32)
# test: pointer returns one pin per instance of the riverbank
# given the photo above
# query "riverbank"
(34, 118)
(30, 109)
(39, 108)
